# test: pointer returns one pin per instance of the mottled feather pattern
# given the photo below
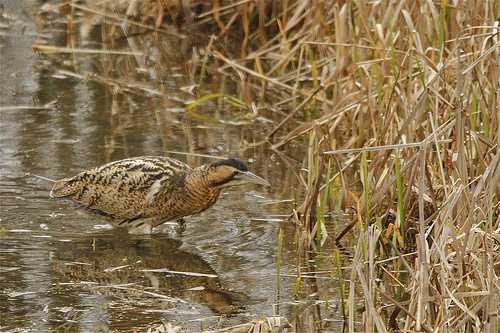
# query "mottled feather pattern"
(147, 191)
(149, 186)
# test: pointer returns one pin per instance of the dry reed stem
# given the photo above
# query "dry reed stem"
(405, 76)
(371, 82)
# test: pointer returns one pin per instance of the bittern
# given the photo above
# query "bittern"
(144, 192)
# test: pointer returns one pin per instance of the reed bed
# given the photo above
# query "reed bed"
(397, 107)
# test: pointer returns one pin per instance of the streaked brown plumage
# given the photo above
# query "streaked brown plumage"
(151, 189)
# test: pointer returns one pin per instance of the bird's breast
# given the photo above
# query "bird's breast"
(200, 200)
(184, 203)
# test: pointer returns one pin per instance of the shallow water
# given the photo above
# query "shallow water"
(61, 269)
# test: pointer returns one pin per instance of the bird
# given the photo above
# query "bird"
(143, 192)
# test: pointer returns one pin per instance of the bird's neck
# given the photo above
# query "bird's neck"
(200, 185)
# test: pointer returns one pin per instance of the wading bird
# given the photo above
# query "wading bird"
(143, 192)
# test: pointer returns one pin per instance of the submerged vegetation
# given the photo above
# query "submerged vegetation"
(392, 109)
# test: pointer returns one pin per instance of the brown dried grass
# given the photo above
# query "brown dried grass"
(418, 81)
(398, 106)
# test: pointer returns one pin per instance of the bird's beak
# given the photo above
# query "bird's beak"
(249, 177)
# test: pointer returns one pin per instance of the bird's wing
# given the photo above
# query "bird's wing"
(122, 189)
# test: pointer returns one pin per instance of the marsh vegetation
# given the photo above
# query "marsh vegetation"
(377, 124)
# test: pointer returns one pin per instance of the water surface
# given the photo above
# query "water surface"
(63, 269)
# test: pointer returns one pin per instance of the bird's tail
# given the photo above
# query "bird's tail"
(62, 188)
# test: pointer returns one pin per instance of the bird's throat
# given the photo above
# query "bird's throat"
(200, 191)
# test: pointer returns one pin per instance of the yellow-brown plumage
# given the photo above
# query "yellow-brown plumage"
(151, 187)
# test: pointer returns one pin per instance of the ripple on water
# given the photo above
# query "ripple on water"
(62, 267)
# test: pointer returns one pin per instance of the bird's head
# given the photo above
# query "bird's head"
(232, 172)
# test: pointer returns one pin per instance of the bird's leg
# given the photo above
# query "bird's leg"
(181, 225)
(142, 226)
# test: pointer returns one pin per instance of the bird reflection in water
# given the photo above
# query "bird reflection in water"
(145, 272)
